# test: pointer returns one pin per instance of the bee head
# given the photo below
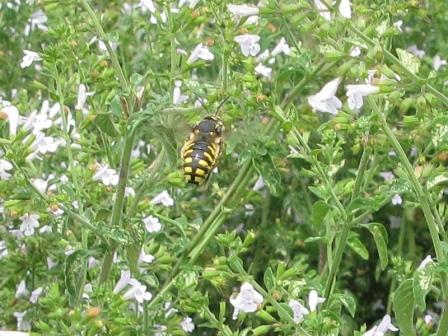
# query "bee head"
(211, 125)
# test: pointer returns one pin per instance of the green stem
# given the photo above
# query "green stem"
(116, 65)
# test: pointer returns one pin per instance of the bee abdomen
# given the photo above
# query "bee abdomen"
(198, 162)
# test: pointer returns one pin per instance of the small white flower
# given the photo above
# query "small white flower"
(281, 47)
(137, 292)
(163, 198)
(187, 324)
(387, 175)
(108, 176)
(248, 300)
(129, 192)
(398, 25)
(248, 44)
(264, 71)
(152, 224)
(425, 262)
(21, 290)
(69, 251)
(397, 200)
(5, 166)
(37, 20)
(82, 97)
(145, 258)
(191, 3)
(384, 326)
(122, 282)
(355, 52)
(356, 93)
(200, 52)
(22, 324)
(263, 56)
(35, 294)
(148, 5)
(344, 9)
(325, 100)
(3, 250)
(46, 229)
(323, 10)
(178, 97)
(44, 144)
(314, 299)
(51, 263)
(428, 319)
(29, 223)
(299, 311)
(102, 45)
(11, 113)
(243, 10)
(438, 62)
(413, 49)
(87, 290)
(259, 184)
(92, 262)
(29, 58)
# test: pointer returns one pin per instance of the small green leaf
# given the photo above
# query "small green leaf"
(318, 213)
(285, 313)
(236, 264)
(421, 286)
(348, 301)
(403, 306)
(357, 246)
(265, 166)
(410, 61)
(379, 234)
(269, 279)
(104, 122)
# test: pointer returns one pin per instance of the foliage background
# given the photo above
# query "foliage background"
(283, 236)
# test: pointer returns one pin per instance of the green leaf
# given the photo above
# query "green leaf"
(348, 302)
(421, 286)
(269, 279)
(403, 306)
(379, 234)
(266, 167)
(236, 264)
(318, 213)
(410, 61)
(361, 204)
(285, 314)
(357, 246)
(104, 122)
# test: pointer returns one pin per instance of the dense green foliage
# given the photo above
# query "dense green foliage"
(346, 203)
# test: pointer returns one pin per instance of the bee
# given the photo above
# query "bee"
(202, 149)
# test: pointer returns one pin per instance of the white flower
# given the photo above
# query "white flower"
(137, 292)
(248, 300)
(323, 10)
(425, 262)
(397, 200)
(107, 175)
(92, 262)
(11, 113)
(46, 229)
(428, 319)
(163, 198)
(384, 326)
(355, 52)
(37, 20)
(29, 223)
(243, 10)
(169, 310)
(298, 310)
(265, 71)
(314, 299)
(129, 192)
(413, 49)
(102, 45)
(152, 224)
(22, 324)
(29, 58)
(191, 3)
(35, 294)
(345, 9)
(398, 25)
(325, 100)
(187, 324)
(82, 97)
(355, 94)
(259, 184)
(44, 144)
(3, 249)
(248, 44)
(200, 52)
(38, 121)
(122, 282)
(145, 258)
(21, 290)
(148, 5)
(281, 47)
(438, 62)
(5, 166)
(178, 97)
(387, 175)
(51, 263)
(263, 56)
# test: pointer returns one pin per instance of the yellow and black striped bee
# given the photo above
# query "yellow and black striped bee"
(201, 150)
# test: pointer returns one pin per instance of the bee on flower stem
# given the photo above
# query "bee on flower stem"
(201, 150)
